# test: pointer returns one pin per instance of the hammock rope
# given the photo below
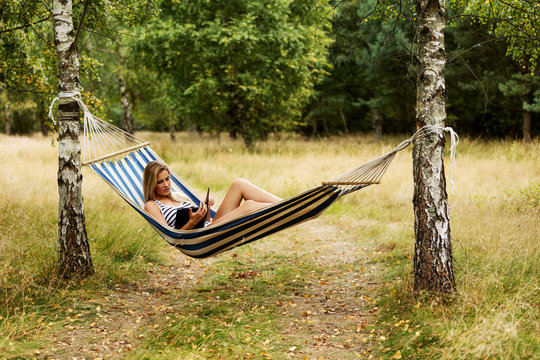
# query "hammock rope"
(120, 158)
(372, 171)
(101, 140)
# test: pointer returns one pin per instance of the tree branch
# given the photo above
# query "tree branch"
(486, 98)
(457, 55)
(25, 26)
(86, 3)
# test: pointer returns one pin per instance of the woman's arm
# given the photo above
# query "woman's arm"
(194, 217)
(154, 210)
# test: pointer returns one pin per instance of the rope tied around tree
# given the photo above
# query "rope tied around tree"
(102, 140)
(372, 171)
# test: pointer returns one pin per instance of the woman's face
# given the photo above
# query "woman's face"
(163, 185)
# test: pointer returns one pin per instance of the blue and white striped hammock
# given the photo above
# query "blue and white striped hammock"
(125, 177)
(120, 158)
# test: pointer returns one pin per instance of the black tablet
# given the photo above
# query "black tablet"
(182, 214)
(182, 217)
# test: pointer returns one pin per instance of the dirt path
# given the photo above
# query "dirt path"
(330, 319)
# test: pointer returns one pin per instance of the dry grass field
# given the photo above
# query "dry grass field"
(338, 287)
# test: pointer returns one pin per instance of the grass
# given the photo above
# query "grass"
(230, 312)
(496, 250)
(264, 299)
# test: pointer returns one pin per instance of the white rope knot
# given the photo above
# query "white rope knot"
(454, 141)
(75, 95)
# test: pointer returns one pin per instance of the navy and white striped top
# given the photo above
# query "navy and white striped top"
(169, 212)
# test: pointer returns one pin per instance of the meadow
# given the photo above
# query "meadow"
(338, 287)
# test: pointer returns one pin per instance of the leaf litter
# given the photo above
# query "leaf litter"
(332, 316)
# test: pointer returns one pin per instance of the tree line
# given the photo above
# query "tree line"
(250, 68)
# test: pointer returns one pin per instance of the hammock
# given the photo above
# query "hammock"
(120, 158)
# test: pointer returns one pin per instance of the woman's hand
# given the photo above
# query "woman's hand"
(195, 217)
(209, 213)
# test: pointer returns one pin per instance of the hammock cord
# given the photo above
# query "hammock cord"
(103, 140)
(372, 171)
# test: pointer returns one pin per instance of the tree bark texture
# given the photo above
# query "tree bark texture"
(172, 130)
(127, 124)
(43, 125)
(7, 119)
(376, 122)
(527, 119)
(73, 249)
(433, 268)
(344, 119)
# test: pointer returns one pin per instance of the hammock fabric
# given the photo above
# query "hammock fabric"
(120, 158)
(125, 177)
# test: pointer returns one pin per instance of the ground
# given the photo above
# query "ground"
(331, 318)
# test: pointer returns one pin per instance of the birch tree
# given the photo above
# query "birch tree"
(73, 248)
(433, 268)
(127, 123)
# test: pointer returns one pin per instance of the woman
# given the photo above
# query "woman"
(162, 203)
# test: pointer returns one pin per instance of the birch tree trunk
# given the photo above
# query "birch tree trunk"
(127, 124)
(433, 268)
(7, 116)
(73, 249)
(527, 119)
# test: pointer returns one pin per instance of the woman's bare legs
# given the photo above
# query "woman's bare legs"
(244, 208)
(254, 198)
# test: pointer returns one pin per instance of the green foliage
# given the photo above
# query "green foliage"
(251, 68)
(247, 67)
(27, 56)
(370, 58)
(518, 22)
(526, 198)
(477, 65)
(28, 62)
(521, 86)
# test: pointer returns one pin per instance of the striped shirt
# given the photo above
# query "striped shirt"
(169, 212)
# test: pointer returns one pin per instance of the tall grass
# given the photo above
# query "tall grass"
(496, 240)
(30, 292)
(494, 221)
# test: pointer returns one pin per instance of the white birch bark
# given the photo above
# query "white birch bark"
(433, 266)
(127, 124)
(73, 249)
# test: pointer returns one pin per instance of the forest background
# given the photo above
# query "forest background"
(252, 68)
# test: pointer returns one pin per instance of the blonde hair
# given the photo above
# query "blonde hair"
(150, 174)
